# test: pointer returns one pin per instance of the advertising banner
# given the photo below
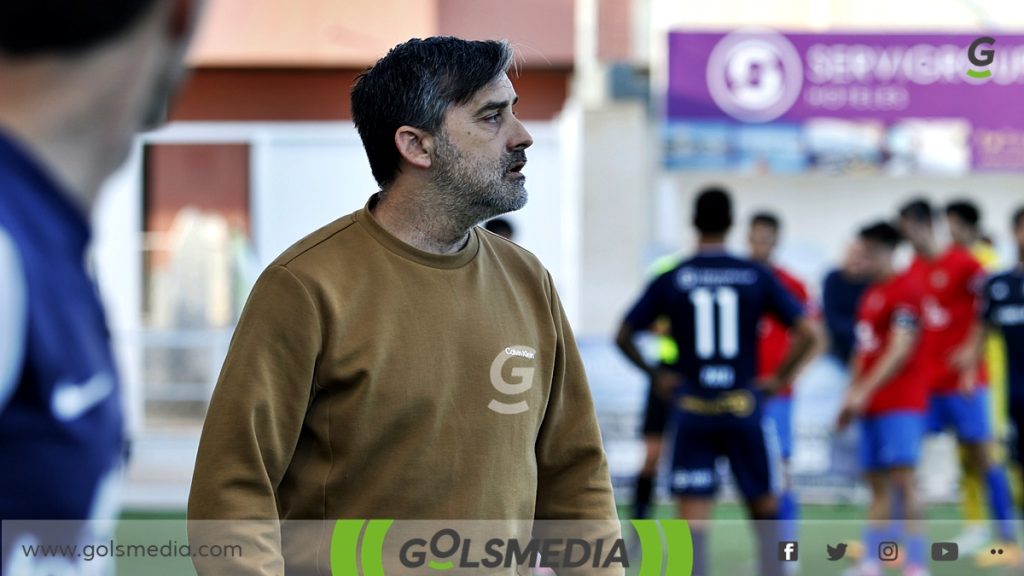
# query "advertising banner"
(894, 102)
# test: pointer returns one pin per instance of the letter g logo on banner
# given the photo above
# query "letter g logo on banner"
(755, 75)
(981, 58)
(522, 374)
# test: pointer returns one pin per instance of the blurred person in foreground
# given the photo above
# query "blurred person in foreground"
(963, 219)
(951, 282)
(763, 239)
(401, 362)
(888, 393)
(714, 303)
(77, 80)
(1002, 311)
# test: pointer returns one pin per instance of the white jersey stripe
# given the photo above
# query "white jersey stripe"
(13, 317)
(773, 446)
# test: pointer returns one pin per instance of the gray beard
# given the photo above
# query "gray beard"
(469, 194)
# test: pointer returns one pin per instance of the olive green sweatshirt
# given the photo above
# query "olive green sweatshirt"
(369, 379)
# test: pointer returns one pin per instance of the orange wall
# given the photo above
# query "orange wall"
(209, 177)
(296, 61)
(311, 94)
(543, 31)
(238, 94)
(283, 33)
(355, 33)
(212, 177)
(614, 36)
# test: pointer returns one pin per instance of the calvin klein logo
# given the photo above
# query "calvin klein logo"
(522, 375)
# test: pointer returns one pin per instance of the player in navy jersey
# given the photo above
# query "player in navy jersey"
(79, 79)
(714, 302)
(1002, 309)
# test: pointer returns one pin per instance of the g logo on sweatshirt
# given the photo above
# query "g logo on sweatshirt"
(523, 376)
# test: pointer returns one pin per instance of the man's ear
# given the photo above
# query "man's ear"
(415, 146)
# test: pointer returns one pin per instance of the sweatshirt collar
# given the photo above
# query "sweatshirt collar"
(444, 261)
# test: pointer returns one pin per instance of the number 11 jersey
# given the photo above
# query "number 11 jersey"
(714, 303)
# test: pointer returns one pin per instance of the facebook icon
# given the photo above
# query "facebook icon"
(789, 551)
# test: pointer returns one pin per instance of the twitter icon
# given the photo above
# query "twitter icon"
(836, 553)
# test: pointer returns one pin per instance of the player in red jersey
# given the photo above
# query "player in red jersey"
(773, 345)
(951, 283)
(889, 393)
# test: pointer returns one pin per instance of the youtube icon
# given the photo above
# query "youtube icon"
(945, 552)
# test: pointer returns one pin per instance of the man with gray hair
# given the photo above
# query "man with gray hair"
(402, 362)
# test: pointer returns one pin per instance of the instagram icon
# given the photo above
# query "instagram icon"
(888, 551)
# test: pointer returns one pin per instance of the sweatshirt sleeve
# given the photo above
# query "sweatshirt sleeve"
(573, 480)
(253, 423)
(574, 490)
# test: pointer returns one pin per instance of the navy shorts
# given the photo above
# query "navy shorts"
(751, 447)
(656, 413)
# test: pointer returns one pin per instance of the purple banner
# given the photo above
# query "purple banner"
(754, 77)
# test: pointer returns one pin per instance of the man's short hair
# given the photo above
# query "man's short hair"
(966, 211)
(414, 85)
(768, 219)
(712, 211)
(1018, 217)
(918, 210)
(882, 233)
(67, 27)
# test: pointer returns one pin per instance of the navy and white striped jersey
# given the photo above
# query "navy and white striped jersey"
(61, 428)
